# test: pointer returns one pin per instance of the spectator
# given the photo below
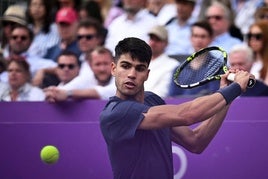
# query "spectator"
(114, 11)
(67, 21)
(40, 20)
(241, 57)
(201, 37)
(14, 15)
(68, 67)
(88, 37)
(257, 39)
(19, 88)
(135, 22)
(100, 60)
(19, 43)
(219, 17)
(179, 28)
(161, 66)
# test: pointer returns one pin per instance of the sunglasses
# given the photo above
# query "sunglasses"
(88, 36)
(22, 37)
(257, 36)
(69, 66)
(216, 17)
(8, 23)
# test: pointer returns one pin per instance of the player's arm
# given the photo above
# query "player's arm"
(198, 110)
(197, 139)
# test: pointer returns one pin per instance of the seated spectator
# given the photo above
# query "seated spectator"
(161, 66)
(67, 21)
(241, 57)
(40, 20)
(219, 17)
(257, 40)
(68, 67)
(19, 88)
(100, 60)
(19, 43)
(13, 16)
(201, 37)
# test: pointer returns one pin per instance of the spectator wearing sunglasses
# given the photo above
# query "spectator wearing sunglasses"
(219, 17)
(19, 43)
(100, 60)
(68, 67)
(257, 39)
(14, 15)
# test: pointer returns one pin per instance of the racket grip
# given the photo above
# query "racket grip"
(251, 82)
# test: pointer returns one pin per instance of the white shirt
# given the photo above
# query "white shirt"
(84, 80)
(179, 37)
(121, 28)
(26, 93)
(166, 13)
(105, 92)
(161, 72)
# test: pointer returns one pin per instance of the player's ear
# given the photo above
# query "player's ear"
(113, 68)
(148, 72)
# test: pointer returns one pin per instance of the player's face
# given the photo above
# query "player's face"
(130, 75)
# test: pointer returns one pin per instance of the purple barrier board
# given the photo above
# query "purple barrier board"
(239, 150)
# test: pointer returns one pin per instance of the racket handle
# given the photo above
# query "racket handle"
(251, 82)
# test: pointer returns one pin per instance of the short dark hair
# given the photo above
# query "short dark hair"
(69, 53)
(137, 48)
(204, 25)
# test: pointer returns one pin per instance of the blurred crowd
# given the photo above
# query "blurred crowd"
(63, 49)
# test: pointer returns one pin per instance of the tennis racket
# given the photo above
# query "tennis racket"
(202, 67)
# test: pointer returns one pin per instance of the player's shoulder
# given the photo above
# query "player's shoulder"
(152, 99)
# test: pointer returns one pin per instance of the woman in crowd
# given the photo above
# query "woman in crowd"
(257, 39)
(41, 21)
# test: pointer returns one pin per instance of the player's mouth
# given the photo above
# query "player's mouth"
(130, 85)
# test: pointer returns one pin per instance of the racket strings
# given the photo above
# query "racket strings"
(201, 67)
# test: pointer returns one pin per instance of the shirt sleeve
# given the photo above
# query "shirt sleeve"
(120, 120)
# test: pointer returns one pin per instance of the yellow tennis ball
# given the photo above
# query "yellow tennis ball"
(49, 154)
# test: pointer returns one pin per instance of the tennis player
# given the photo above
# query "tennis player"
(139, 127)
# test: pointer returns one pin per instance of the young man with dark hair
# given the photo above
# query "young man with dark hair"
(138, 128)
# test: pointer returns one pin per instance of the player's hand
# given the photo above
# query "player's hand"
(242, 78)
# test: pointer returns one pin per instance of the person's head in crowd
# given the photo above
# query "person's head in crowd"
(158, 40)
(257, 39)
(154, 6)
(13, 16)
(67, 20)
(261, 14)
(89, 34)
(185, 9)
(20, 40)
(201, 35)
(68, 66)
(241, 57)
(91, 9)
(40, 11)
(100, 60)
(219, 17)
(18, 72)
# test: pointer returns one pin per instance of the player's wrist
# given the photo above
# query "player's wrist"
(230, 92)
